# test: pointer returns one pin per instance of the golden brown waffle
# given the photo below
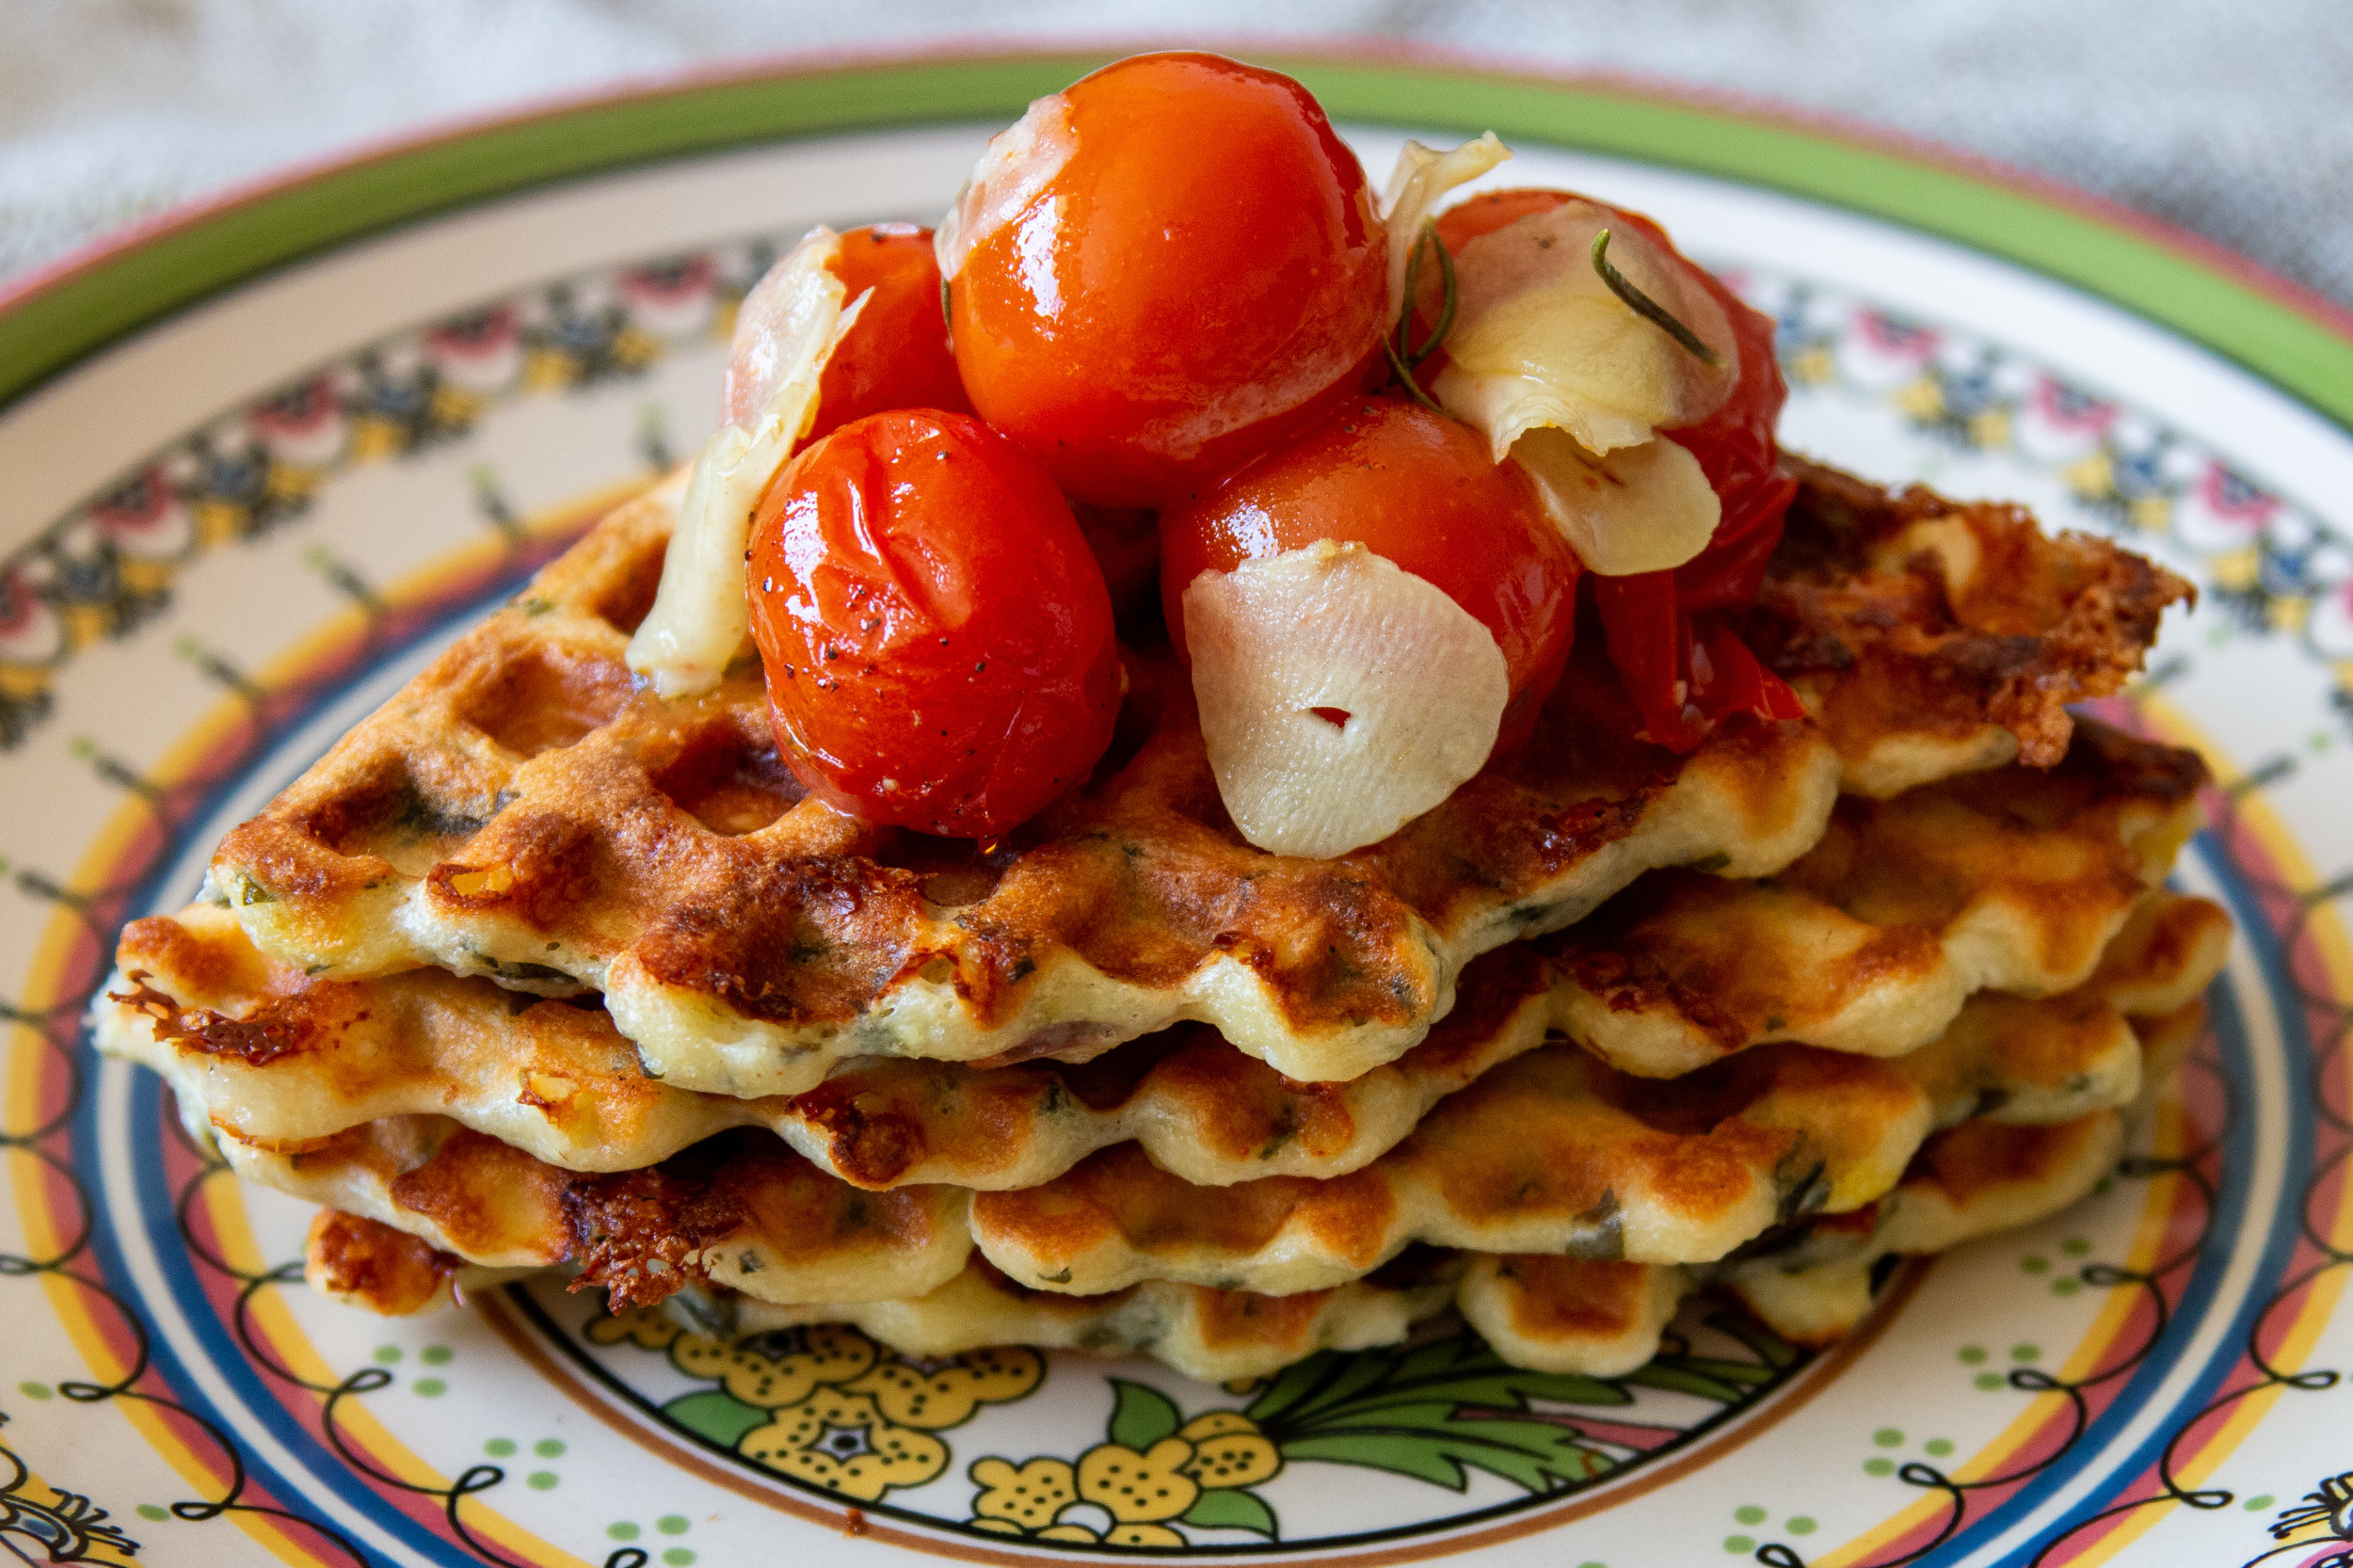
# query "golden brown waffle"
(1555, 1314)
(2012, 879)
(1968, 1181)
(1542, 1311)
(280, 1059)
(1963, 619)
(742, 1210)
(277, 1059)
(1214, 1335)
(522, 810)
(2008, 1059)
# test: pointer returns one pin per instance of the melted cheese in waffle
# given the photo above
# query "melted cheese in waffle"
(520, 811)
(2009, 880)
(1964, 619)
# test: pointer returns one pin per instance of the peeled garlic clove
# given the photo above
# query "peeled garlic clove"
(789, 327)
(1341, 695)
(1021, 160)
(1639, 508)
(1540, 339)
(1422, 176)
(781, 321)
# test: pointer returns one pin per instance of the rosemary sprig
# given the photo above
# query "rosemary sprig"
(1428, 241)
(1648, 308)
(1405, 356)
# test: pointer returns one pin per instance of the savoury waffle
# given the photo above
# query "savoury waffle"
(2009, 879)
(522, 811)
(1214, 1335)
(1963, 617)
(2026, 872)
(739, 1209)
(1968, 1181)
(1543, 1311)
(722, 1203)
(277, 1059)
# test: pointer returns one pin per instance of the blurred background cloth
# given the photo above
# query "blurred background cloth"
(2234, 119)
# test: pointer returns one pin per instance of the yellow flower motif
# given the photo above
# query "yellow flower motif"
(646, 1326)
(1143, 1535)
(1070, 1532)
(1026, 1498)
(1228, 1450)
(837, 1440)
(809, 1359)
(1139, 1488)
(932, 1395)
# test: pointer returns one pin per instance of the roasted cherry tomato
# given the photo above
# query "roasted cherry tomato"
(1656, 620)
(894, 356)
(1162, 271)
(1420, 488)
(937, 635)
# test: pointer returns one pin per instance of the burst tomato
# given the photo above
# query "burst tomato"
(1417, 488)
(1160, 271)
(937, 638)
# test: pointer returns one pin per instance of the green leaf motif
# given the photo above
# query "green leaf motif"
(1143, 1415)
(1436, 1411)
(1726, 1382)
(1436, 1442)
(1231, 1508)
(1337, 1387)
(715, 1413)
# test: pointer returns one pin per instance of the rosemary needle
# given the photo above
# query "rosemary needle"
(1648, 308)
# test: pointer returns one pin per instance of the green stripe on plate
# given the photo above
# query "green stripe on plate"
(215, 249)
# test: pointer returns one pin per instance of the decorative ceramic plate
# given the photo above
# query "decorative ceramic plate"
(263, 460)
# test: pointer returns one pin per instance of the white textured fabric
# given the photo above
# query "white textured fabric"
(2234, 120)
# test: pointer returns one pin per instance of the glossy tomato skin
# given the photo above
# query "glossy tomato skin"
(896, 354)
(937, 636)
(1420, 488)
(1203, 274)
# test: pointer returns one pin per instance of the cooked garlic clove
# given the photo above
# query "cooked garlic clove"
(1341, 695)
(1422, 176)
(780, 322)
(1639, 508)
(700, 619)
(1540, 340)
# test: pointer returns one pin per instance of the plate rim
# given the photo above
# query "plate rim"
(2284, 332)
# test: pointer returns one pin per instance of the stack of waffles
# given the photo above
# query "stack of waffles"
(535, 970)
